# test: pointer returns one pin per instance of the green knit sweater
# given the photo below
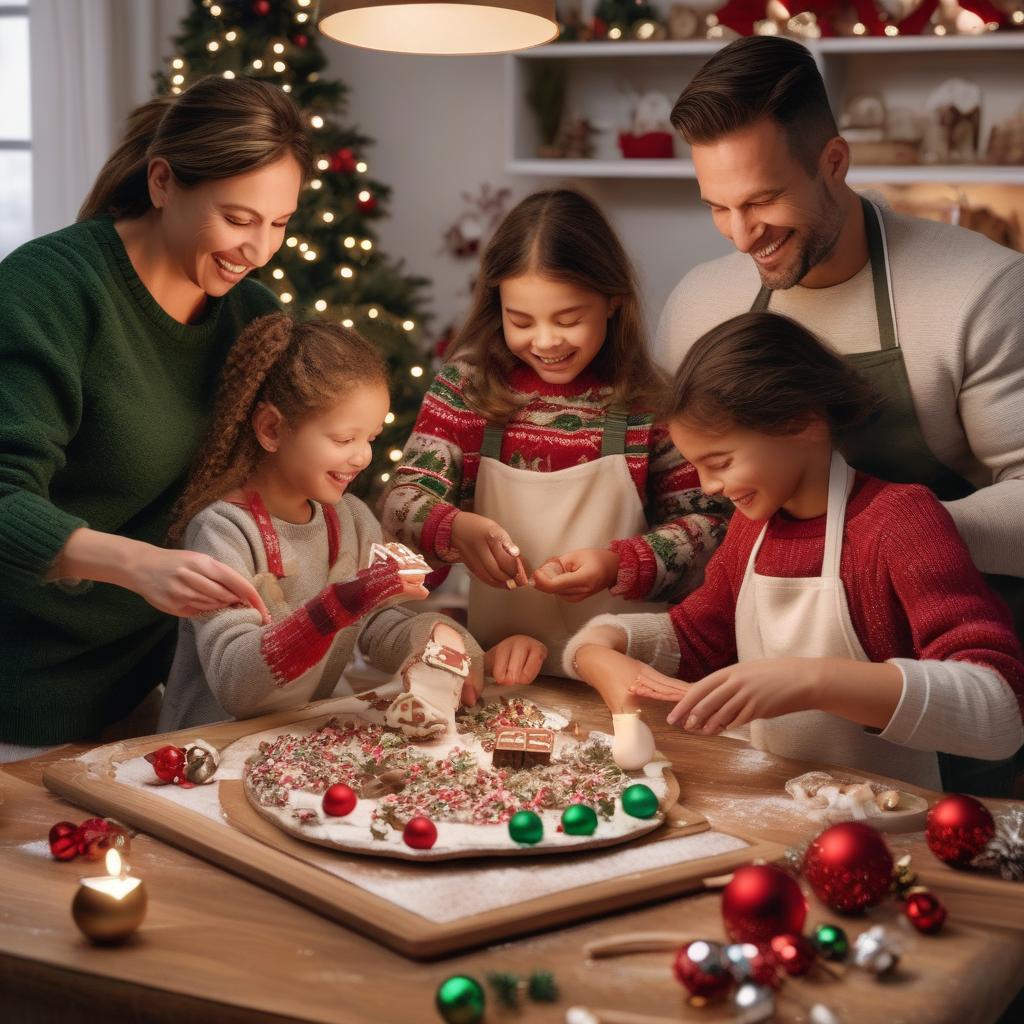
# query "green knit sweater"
(103, 400)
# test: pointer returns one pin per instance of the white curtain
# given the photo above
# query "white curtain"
(92, 61)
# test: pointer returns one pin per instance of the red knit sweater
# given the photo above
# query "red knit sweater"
(912, 589)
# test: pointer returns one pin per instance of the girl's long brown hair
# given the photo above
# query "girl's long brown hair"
(560, 235)
(767, 373)
(215, 129)
(301, 368)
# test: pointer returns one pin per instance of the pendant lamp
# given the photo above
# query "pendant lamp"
(454, 27)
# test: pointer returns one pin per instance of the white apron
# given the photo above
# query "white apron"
(777, 617)
(551, 514)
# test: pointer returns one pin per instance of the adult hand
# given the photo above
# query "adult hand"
(487, 551)
(516, 660)
(735, 696)
(579, 574)
(189, 583)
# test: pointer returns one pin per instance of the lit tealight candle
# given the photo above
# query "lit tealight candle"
(110, 907)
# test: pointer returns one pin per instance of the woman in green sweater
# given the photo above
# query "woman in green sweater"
(112, 335)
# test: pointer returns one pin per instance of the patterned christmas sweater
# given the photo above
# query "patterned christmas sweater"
(556, 427)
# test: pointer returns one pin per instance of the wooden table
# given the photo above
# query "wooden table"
(217, 948)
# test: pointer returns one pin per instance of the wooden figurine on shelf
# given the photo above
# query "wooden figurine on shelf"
(955, 123)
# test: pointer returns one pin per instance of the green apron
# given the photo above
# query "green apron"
(892, 447)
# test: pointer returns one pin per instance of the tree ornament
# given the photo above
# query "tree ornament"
(168, 763)
(793, 953)
(506, 987)
(261, 8)
(831, 942)
(339, 800)
(1005, 850)
(579, 820)
(753, 1003)
(875, 951)
(703, 970)
(300, 39)
(904, 878)
(849, 867)
(63, 840)
(460, 999)
(201, 762)
(526, 827)
(420, 833)
(925, 911)
(343, 161)
(93, 838)
(748, 962)
(639, 801)
(959, 827)
(760, 902)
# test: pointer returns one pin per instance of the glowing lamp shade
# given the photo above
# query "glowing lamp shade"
(455, 27)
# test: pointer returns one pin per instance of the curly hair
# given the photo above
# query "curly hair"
(301, 368)
(561, 235)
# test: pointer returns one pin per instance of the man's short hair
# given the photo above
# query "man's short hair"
(754, 78)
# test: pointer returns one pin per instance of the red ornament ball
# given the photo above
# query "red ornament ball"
(261, 7)
(925, 911)
(420, 833)
(339, 800)
(367, 205)
(703, 969)
(301, 39)
(760, 902)
(343, 161)
(794, 954)
(849, 866)
(94, 835)
(959, 828)
(168, 763)
(64, 840)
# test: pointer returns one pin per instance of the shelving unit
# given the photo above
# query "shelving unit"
(905, 69)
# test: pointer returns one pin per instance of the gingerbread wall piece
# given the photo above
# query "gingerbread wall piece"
(439, 656)
(415, 717)
(409, 563)
(522, 748)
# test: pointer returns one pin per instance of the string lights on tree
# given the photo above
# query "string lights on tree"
(330, 266)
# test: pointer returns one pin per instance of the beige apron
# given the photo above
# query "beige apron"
(778, 617)
(551, 514)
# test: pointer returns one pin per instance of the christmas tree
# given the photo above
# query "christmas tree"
(329, 266)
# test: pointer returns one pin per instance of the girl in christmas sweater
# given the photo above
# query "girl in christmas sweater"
(842, 618)
(536, 447)
(298, 407)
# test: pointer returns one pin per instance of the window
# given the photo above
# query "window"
(15, 128)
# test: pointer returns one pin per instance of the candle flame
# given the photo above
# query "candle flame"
(113, 863)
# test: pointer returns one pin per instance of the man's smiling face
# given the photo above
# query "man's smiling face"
(764, 200)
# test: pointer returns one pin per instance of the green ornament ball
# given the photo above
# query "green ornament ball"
(579, 820)
(830, 941)
(526, 827)
(460, 1000)
(639, 801)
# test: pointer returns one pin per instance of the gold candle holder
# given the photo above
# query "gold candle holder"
(108, 908)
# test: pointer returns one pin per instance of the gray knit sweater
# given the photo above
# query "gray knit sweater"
(219, 671)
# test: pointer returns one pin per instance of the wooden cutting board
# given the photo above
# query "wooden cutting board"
(251, 847)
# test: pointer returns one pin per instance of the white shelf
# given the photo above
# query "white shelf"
(1006, 40)
(683, 169)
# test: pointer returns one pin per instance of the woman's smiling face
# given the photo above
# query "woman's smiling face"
(220, 230)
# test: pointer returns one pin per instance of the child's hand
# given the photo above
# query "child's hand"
(515, 661)
(611, 673)
(736, 695)
(377, 586)
(578, 574)
(487, 551)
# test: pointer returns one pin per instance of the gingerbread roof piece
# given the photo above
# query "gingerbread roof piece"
(521, 748)
(409, 563)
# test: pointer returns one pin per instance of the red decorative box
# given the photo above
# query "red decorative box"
(652, 146)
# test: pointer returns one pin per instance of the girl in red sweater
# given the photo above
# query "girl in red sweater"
(537, 449)
(842, 618)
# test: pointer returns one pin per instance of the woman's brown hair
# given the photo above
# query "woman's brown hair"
(767, 373)
(301, 368)
(215, 129)
(560, 235)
